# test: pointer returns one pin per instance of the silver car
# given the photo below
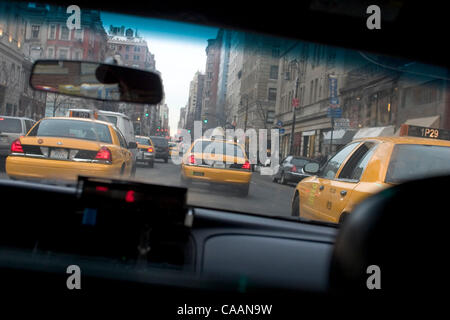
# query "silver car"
(11, 128)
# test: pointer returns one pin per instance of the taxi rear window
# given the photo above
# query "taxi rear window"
(85, 130)
(9, 125)
(409, 161)
(218, 147)
(143, 141)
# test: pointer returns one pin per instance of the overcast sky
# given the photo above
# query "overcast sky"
(179, 51)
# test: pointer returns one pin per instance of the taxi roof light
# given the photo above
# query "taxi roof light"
(16, 146)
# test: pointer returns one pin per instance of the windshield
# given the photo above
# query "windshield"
(409, 162)
(273, 97)
(85, 130)
(10, 125)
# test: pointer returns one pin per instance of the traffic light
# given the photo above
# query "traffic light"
(205, 121)
(146, 114)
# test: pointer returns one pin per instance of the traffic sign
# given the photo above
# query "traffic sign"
(281, 130)
(295, 102)
(279, 123)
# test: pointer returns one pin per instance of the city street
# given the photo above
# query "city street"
(265, 197)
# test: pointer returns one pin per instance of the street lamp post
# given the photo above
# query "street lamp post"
(291, 149)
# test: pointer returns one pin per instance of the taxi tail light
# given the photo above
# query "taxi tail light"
(246, 165)
(294, 169)
(104, 154)
(150, 149)
(16, 146)
(191, 159)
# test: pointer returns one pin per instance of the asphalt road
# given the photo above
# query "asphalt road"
(265, 197)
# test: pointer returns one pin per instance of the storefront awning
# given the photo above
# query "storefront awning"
(429, 122)
(340, 136)
(374, 132)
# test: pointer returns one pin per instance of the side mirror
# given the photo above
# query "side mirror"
(311, 168)
(132, 145)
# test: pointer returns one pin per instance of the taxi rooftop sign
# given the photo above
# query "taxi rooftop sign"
(424, 132)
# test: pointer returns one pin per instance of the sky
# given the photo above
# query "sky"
(179, 50)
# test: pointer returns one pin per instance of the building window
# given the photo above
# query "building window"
(50, 53)
(35, 31)
(64, 33)
(78, 55)
(273, 72)
(78, 34)
(136, 57)
(272, 94)
(126, 57)
(127, 48)
(52, 32)
(63, 53)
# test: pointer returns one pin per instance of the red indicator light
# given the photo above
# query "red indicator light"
(246, 165)
(16, 147)
(129, 197)
(101, 188)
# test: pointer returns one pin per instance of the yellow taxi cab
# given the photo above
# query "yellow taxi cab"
(366, 166)
(146, 150)
(61, 148)
(217, 161)
(173, 149)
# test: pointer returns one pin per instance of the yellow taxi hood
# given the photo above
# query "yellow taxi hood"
(62, 142)
(219, 157)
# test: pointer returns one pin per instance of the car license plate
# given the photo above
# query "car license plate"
(59, 154)
(219, 165)
(196, 173)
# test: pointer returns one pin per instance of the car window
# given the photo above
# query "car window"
(333, 165)
(28, 125)
(299, 162)
(144, 141)
(10, 125)
(218, 147)
(85, 130)
(410, 162)
(356, 164)
(159, 142)
(112, 119)
(122, 140)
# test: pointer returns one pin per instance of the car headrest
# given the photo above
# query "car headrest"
(396, 239)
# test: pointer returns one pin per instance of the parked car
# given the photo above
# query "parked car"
(291, 170)
(11, 128)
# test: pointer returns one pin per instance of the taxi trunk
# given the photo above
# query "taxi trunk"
(218, 169)
(58, 158)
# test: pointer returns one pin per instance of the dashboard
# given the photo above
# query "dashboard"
(51, 227)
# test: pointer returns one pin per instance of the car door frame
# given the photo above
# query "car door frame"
(318, 200)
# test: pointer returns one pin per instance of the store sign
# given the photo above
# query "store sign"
(342, 123)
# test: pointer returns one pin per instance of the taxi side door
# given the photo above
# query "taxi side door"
(347, 179)
(127, 156)
(316, 202)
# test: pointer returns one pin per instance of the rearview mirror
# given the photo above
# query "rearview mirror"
(97, 81)
(311, 168)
